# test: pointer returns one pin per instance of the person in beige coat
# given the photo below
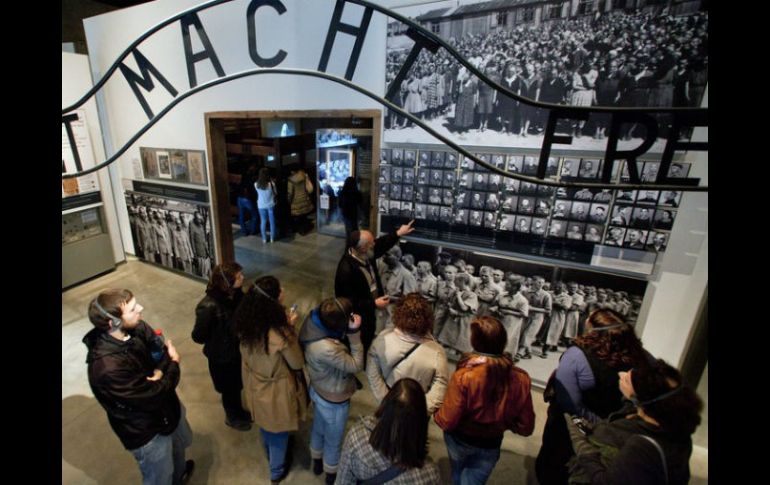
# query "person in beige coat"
(409, 350)
(273, 384)
(298, 195)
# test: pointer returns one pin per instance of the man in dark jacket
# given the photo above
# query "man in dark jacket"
(358, 280)
(138, 392)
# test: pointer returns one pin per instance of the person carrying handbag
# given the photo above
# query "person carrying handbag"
(299, 188)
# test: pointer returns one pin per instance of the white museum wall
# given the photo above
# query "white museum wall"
(76, 81)
(676, 288)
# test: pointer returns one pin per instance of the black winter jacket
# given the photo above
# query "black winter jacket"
(214, 326)
(137, 409)
(350, 282)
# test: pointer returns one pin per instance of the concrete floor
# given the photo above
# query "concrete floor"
(92, 454)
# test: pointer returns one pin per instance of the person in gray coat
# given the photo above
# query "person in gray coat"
(331, 368)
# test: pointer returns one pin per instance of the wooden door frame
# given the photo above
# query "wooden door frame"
(217, 160)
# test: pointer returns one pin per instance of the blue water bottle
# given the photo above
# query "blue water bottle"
(157, 346)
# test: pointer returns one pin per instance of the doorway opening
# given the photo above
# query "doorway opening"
(328, 146)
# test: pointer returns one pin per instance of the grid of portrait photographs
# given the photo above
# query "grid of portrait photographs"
(449, 188)
(489, 288)
(186, 166)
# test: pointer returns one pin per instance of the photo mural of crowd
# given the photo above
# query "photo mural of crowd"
(540, 306)
(171, 233)
(619, 58)
(444, 186)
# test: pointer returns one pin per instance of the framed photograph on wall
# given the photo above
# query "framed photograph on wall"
(197, 167)
(180, 171)
(164, 165)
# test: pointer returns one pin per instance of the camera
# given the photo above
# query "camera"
(582, 425)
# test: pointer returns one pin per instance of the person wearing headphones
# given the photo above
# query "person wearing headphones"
(214, 329)
(357, 277)
(647, 441)
(138, 393)
(331, 367)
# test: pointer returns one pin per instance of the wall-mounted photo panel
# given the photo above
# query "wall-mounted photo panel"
(397, 175)
(515, 163)
(523, 224)
(530, 165)
(579, 211)
(650, 171)
(569, 168)
(511, 185)
(424, 159)
(557, 229)
(490, 219)
(589, 168)
(394, 208)
(641, 217)
(450, 161)
(598, 213)
(664, 219)
(476, 218)
(510, 203)
(436, 160)
(625, 196)
(407, 192)
(423, 176)
(678, 170)
(543, 207)
(436, 178)
(197, 165)
(649, 197)
(478, 199)
(445, 215)
(434, 212)
(492, 202)
(467, 164)
(420, 211)
(410, 158)
(385, 156)
(603, 195)
(447, 197)
(561, 209)
(449, 178)
(621, 215)
(384, 174)
(421, 194)
(528, 188)
(382, 205)
(581, 194)
(552, 168)
(575, 230)
(539, 226)
(164, 165)
(545, 191)
(395, 192)
(480, 181)
(171, 233)
(670, 198)
(434, 195)
(461, 217)
(615, 236)
(408, 175)
(406, 210)
(526, 205)
(593, 233)
(635, 238)
(498, 160)
(657, 241)
(462, 199)
(397, 157)
(494, 182)
(506, 222)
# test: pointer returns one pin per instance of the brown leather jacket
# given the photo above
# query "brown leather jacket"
(465, 413)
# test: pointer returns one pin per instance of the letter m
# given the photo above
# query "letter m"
(144, 80)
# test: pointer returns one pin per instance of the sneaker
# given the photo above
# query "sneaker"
(189, 466)
(526, 355)
(543, 355)
(330, 478)
(318, 466)
(240, 425)
(553, 348)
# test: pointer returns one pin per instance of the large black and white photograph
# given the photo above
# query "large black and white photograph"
(171, 233)
(578, 53)
(542, 307)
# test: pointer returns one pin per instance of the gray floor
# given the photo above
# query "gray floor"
(92, 454)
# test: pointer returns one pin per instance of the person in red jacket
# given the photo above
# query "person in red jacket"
(486, 396)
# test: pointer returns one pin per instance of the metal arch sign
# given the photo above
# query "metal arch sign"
(145, 80)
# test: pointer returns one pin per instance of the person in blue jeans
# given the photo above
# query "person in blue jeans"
(331, 368)
(266, 203)
(246, 197)
(487, 395)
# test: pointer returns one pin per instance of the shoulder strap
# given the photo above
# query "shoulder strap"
(384, 476)
(402, 359)
(662, 456)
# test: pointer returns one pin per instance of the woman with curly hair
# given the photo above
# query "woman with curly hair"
(650, 440)
(586, 384)
(486, 396)
(409, 350)
(271, 355)
(391, 446)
